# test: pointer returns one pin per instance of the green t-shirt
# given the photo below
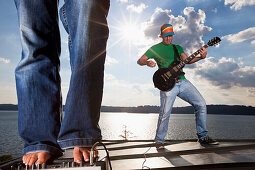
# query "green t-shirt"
(163, 54)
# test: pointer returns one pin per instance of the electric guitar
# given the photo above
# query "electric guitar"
(165, 78)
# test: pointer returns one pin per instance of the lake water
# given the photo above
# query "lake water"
(140, 127)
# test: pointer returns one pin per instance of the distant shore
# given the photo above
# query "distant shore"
(211, 109)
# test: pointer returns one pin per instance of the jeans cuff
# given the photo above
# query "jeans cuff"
(43, 147)
(202, 136)
(78, 142)
(157, 140)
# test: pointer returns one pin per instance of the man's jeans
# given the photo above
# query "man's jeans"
(38, 79)
(186, 91)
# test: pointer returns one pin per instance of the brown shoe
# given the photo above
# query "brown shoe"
(159, 146)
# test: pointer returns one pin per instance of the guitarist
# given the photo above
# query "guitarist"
(164, 54)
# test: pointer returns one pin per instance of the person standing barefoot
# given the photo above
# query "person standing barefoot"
(44, 132)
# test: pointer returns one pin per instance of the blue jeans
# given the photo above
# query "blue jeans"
(38, 80)
(186, 91)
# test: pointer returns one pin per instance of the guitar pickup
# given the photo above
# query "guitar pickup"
(163, 77)
(168, 74)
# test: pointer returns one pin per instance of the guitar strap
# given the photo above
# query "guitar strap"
(177, 59)
(176, 54)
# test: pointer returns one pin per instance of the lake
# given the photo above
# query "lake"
(140, 127)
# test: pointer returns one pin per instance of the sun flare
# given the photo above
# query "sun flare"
(131, 32)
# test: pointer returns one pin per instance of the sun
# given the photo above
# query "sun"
(128, 29)
(131, 32)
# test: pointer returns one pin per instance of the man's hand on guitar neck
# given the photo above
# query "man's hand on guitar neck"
(203, 52)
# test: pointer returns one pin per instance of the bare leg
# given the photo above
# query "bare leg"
(36, 157)
(83, 152)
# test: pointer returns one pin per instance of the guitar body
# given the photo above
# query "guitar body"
(164, 78)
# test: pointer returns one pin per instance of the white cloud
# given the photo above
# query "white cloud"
(137, 9)
(109, 77)
(241, 36)
(226, 73)
(253, 42)
(251, 92)
(188, 29)
(123, 93)
(110, 60)
(123, 1)
(215, 81)
(4, 60)
(238, 4)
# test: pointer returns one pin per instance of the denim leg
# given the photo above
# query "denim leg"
(37, 76)
(85, 22)
(189, 93)
(166, 103)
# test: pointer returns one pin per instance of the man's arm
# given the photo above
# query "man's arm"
(144, 61)
(203, 53)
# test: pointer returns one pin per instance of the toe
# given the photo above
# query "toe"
(43, 157)
(77, 155)
(24, 159)
(33, 158)
(86, 154)
(36, 158)
(27, 158)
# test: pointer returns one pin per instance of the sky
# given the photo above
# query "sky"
(225, 77)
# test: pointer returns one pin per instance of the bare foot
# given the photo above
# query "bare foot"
(79, 152)
(36, 157)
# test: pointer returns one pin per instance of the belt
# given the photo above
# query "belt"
(178, 80)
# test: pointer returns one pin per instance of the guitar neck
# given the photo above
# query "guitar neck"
(188, 59)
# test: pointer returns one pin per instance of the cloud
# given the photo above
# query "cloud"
(238, 4)
(137, 9)
(124, 93)
(110, 61)
(226, 73)
(122, 1)
(188, 29)
(158, 18)
(251, 92)
(241, 36)
(253, 42)
(4, 60)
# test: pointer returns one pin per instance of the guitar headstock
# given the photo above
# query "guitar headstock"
(214, 41)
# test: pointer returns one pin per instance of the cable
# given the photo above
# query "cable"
(143, 166)
(92, 154)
